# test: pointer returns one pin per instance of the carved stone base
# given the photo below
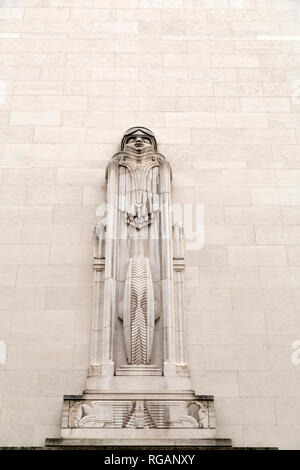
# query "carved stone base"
(134, 416)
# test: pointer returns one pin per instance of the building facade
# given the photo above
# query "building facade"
(218, 83)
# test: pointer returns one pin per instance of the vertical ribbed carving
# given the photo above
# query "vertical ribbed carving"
(139, 315)
(138, 311)
(139, 417)
(138, 188)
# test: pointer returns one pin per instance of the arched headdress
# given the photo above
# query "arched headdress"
(134, 130)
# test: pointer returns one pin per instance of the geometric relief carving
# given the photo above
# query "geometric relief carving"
(138, 311)
(138, 245)
(139, 417)
(139, 199)
(95, 370)
(93, 414)
(199, 412)
(140, 414)
(142, 205)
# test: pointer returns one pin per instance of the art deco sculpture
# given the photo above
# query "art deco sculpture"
(138, 376)
(136, 170)
(143, 331)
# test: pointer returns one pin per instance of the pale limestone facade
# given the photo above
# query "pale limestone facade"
(218, 83)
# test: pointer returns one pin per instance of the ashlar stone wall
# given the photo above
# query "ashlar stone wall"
(218, 81)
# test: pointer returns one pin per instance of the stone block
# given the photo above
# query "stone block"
(23, 214)
(59, 135)
(219, 383)
(287, 411)
(12, 195)
(208, 298)
(22, 435)
(77, 255)
(229, 235)
(278, 235)
(10, 233)
(36, 88)
(63, 298)
(290, 215)
(190, 120)
(29, 176)
(54, 276)
(275, 436)
(274, 196)
(278, 322)
(280, 276)
(257, 255)
(8, 275)
(259, 299)
(75, 215)
(237, 322)
(79, 177)
(11, 13)
(253, 215)
(16, 298)
(229, 196)
(24, 254)
(17, 383)
(293, 253)
(246, 411)
(247, 178)
(234, 61)
(51, 233)
(28, 357)
(208, 256)
(237, 276)
(91, 14)
(42, 14)
(270, 383)
(54, 195)
(24, 321)
(226, 358)
(58, 382)
(16, 134)
(241, 120)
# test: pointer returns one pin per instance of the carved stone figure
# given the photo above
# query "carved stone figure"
(138, 292)
(138, 383)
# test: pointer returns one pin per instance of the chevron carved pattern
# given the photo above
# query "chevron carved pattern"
(139, 417)
(138, 311)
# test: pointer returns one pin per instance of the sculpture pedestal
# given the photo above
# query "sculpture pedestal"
(148, 416)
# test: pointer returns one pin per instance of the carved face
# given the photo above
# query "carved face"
(139, 143)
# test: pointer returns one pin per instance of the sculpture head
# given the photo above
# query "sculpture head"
(138, 140)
